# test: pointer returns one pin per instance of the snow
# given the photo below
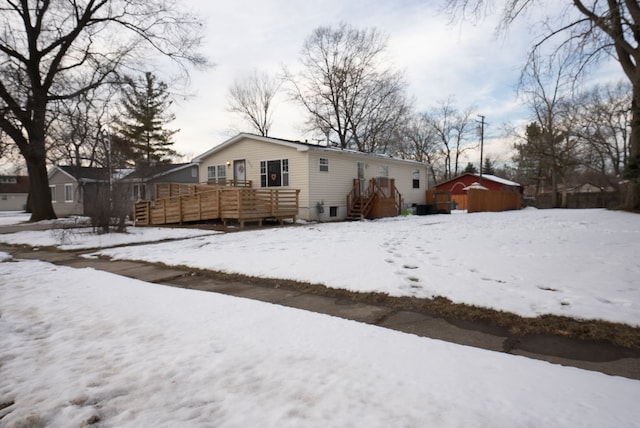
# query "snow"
(13, 217)
(86, 238)
(80, 346)
(577, 263)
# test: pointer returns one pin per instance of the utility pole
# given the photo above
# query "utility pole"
(481, 132)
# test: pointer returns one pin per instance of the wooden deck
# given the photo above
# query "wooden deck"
(192, 203)
(379, 199)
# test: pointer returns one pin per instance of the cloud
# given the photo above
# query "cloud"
(439, 60)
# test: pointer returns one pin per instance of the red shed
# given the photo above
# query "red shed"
(458, 185)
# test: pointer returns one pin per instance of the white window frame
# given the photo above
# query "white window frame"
(284, 172)
(383, 171)
(415, 178)
(217, 173)
(139, 191)
(323, 165)
(53, 191)
(68, 192)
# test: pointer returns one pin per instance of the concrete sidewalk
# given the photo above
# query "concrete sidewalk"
(594, 356)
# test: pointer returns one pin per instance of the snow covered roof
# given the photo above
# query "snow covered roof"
(498, 179)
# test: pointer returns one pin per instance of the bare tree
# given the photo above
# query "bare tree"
(52, 51)
(420, 143)
(452, 130)
(603, 127)
(347, 88)
(79, 133)
(546, 88)
(252, 97)
(593, 30)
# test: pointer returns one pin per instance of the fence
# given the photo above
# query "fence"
(479, 200)
(581, 200)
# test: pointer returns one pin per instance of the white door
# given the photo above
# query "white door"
(239, 172)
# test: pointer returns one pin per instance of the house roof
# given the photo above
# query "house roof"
(298, 145)
(489, 177)
(90, 174)
(155, 171)
(14, 184)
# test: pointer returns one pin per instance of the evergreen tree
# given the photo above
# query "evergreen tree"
(143, 116)
(488, 167)
(470, 168)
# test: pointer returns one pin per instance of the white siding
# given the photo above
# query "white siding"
(60, 207)
(253, 151)
(327, 189)
(332, 188)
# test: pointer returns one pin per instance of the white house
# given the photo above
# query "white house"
(14, 190)
(324, 175)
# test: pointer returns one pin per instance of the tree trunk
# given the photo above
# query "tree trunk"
(554, 188)
(39, 193)
(632, 199)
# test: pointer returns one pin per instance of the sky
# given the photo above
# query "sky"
(83, 346)
(467, 62)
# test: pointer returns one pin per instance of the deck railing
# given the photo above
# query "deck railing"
(361, 204)
(221, 203)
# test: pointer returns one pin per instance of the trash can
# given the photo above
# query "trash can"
(422, 209)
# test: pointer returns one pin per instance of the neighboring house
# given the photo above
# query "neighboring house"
(590, 188)
(324, 175)
(143, 179)
(14, 190)
(75, 190)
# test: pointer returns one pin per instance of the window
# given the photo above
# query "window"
(217, 174)
(52, 189)
(324, 165)
(68, 192)
(383, 171)
(416, 178)
(274, 173)
(333, 211)
(139, 191)
(194, 172)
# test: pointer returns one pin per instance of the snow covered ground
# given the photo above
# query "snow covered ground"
(81, 346)
(13, 217)
(578, 263)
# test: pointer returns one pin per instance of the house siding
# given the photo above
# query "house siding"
(317, 188)
(253, 152)
(61, 207)
(13, 201)
(184, 175)
(331, 188)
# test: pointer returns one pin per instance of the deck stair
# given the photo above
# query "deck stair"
(380, 198)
